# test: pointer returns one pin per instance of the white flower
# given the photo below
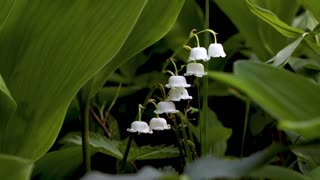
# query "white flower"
(158, 124)
(176, 94)
(165, 107)
(216, 50)
(198, 53)
(177, 81)
(195, 69)
(139, 126)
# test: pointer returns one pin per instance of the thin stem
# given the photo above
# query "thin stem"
(126, 153)
(85, 111)
(175, 66)
(176, 130)
(246, 119)
(197, 39)
(204, 118)
(185, 138)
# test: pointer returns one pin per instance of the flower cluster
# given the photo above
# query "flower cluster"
(177, 85)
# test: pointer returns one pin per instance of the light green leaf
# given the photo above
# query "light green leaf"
(151, 152)
(277, 172)
(314, 7)
(13, 167)
(264, 40)
(315, 173)
(59, 164)
(274, 21)
(282, 56)
(290, 98)
(155, 21)
(48, 50)
(211, 167)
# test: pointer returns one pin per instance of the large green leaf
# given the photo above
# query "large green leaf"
(48, 50)
(314, 7)
(277, 172)
(13, 167)
(274, 21)
(7, 105)
(212, 167)
(292, 99)
(155, 21)
(59, 164)
(261, 37)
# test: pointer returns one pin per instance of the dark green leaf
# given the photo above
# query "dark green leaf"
(314, 7)
(277, 172)
(211, 167)
(59, 164)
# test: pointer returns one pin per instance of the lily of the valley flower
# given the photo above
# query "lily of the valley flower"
(176, 94)
(165, 107)
(139, 126)
(195, 69)
(216, 50)
(198, 53)
(158, 124)
(177, 81)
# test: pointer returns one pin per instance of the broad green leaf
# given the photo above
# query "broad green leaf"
(308, 157)
(98, 143)
(7, 105)
(290, 98)
(13, 167)
(217, 135)
(314, 7)
(212, 167)
(59, 164)
(315, 173)
(48, 50)
(264, 40)
(116, 148)
(274, 21)
(155, 21)
(282, 56)
(151, 152)
(277, 172)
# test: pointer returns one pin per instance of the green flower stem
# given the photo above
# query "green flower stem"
(185, 137)
(246, 119)
(84, 110)
(176, 130)
(126, 153)
(204, 114)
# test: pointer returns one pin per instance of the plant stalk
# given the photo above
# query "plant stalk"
(85, 112)
(204, 114)
(126, 153)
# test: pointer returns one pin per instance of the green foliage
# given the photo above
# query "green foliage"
(116, 148)
(290, 98)
(13, 167)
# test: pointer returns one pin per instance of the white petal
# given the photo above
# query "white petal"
(216, 50)
(198, 53)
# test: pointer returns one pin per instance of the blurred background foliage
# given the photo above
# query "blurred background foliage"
(264, 92)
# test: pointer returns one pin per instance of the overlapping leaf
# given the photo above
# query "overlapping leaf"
(290, 98)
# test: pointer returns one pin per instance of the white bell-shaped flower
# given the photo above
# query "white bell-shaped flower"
(158, 124)
(195, 69)
(177, 81)
(165, 107)
(139, 126)
(176, 94)
(216, 50)
(198, 53)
